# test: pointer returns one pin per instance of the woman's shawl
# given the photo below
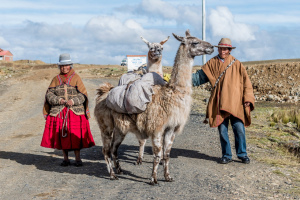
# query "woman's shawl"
(73, 80)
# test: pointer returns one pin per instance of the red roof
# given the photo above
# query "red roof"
(5, 52)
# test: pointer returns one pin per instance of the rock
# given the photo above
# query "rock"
(270, 97)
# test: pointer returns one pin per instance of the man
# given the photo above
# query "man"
(231, 99)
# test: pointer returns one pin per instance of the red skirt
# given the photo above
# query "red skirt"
(76, 134)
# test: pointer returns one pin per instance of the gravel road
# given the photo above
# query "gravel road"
(28, 171)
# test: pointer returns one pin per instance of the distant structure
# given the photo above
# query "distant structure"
(135, 61)
(6, 55)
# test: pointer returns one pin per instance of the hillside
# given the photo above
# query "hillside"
(272, 80)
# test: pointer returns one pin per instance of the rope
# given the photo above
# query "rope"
(65, 122)
(223, 73)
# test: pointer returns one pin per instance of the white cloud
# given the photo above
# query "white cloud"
(269, 19)
(160, 7)
(3, 43)
(222, 24)
(182, 14)
(37, 33)
(109, 29)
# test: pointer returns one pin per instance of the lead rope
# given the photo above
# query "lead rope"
(65, 122)
(206, 121)
(223, 73)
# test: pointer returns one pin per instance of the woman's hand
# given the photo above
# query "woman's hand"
(70, 103)
(62, 101)
(246, 104)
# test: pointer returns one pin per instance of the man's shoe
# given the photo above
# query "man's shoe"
(225, 160)
(244, 159)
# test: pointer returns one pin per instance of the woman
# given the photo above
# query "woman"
(231, 99)
(66, 113)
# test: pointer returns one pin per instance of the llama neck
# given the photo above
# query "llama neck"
(182, 70)
(154, 65)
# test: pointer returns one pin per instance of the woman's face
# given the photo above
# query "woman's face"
(224, 52)
(64, 69)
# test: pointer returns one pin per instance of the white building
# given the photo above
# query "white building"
(135, 61)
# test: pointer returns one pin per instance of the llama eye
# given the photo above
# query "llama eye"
(195, 43)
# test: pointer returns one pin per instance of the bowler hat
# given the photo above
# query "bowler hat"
(65, 59)
(225, 42)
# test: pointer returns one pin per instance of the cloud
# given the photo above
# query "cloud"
(107, 38)
(222, 24)
(167, 11)
(161, 8)
(3, 43)
(109, 29)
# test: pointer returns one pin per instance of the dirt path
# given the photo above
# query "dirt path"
(28, 171)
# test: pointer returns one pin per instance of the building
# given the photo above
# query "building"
(135, 61)
(6, 55)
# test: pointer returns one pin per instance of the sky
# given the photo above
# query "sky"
(104, 32)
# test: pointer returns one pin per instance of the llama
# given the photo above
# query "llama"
(153, 65)
(164, 117)
(155, 56)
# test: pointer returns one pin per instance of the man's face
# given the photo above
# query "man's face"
(224, 52)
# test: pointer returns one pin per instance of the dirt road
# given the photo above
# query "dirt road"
(28, 171)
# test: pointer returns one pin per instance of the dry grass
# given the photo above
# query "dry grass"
(286, 116)
(278, 141)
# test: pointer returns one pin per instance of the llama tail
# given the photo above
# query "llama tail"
(103, 90)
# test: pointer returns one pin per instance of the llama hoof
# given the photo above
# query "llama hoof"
(153, 182)
(139, 161)
(113, 177)
(170, 179)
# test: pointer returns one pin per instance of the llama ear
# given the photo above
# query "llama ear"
(148, 43)
(187, 33)
(179, 38)
(164, 41)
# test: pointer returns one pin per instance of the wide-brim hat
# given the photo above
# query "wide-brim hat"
(225, 42)
(65, 59)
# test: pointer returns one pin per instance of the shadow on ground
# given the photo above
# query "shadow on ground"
(127, 153)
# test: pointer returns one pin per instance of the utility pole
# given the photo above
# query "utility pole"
(203, 28)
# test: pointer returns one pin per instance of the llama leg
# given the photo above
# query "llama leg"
(157, 152)
(117, 140)
(106, 140)
(168, 142)
(142, 143)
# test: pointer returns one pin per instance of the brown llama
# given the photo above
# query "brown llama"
(164, 117)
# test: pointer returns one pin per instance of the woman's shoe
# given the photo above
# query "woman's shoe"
(65, 163)
(78, 163)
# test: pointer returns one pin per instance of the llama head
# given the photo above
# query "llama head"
(155, 49)
(195, 46)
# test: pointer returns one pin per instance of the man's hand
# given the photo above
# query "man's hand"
(246, 104)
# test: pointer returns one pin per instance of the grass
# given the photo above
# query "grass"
(269, 139)
(108, 71)
(286, 116)
(279, 140)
